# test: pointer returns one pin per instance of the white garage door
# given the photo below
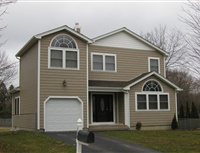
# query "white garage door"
(62, 114)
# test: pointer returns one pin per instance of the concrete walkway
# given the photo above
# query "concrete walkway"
(103, 144)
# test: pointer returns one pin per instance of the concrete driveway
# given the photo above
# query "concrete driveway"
(103, 144)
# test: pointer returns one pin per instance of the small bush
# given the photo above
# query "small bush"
(174, 124)
(138, 126)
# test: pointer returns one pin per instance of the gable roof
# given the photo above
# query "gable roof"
(124, 29)
(146, 75)
(37, 37)
(126, 85)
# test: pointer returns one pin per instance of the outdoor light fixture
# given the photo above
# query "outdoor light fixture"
(64, 83)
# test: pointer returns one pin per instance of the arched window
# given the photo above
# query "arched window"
(152, 97)
(63, 52)
(152, 86)
(63, 41)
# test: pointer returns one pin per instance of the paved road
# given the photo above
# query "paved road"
(103, 144)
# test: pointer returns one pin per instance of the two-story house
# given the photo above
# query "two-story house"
(111, 82)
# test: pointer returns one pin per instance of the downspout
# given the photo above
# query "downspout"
(87, 83)
(38, 89)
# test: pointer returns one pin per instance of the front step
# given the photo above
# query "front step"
(115, 127)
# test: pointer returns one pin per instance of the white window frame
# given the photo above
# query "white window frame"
(155, 81)
(147, 101)
(18, 106)
(63, 56)
(104, 62)
(154, 58)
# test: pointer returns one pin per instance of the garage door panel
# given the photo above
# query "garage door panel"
(62, 114)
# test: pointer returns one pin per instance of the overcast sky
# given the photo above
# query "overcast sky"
(25, 19)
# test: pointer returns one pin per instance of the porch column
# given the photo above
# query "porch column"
(127, 108)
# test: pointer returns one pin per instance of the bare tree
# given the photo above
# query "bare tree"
(192, 19)
(8, 69)
(171, 41)
(189, 84)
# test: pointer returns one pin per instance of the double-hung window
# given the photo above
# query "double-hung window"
(16, 106)
(103, 62)
(154, 64)
(63, 53)
(152, 97)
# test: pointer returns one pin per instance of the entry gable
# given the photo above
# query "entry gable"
(147, 75)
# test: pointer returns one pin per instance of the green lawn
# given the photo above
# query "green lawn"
(165, 141)
(178, 141)
(31, 142)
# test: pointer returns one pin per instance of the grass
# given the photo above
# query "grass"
(165, 141)
(5, 129)
(31, 142)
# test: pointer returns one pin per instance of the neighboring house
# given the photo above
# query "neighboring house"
(111, 82)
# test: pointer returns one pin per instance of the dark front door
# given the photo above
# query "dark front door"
(102, 108)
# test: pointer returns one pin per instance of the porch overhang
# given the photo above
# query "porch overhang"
(105, 89)
(106, 86)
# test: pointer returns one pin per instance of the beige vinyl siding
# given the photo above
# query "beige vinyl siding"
(28, 90)
(51, 79)
(152, 118)
(130, 63)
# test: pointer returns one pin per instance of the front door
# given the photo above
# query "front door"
(102, 108)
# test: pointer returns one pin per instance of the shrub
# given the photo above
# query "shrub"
(138, 126)
(174, 124)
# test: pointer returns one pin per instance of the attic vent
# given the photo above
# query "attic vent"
(77, 27)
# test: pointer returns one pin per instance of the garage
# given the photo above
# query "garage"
(61, 114)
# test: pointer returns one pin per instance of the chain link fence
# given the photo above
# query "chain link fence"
(5, 120)
(188, 123)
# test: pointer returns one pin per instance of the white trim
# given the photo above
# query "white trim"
(38, 87)
(114, 113)
(39, 36)
(176, 102)
(127, 108)
(162, 89)
(164, 66)
(149, 63)
(63, 97)
(18, 97)
(63, 59)
(63, 54)
(87, 82)
(104, 63)
(147, 101)
(67, 36)
(157, 75)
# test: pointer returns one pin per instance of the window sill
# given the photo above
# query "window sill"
(103, 71)
(58, 68)
(153, 110)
